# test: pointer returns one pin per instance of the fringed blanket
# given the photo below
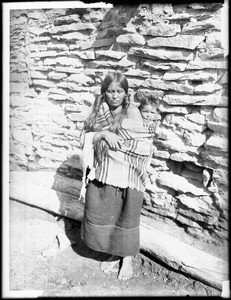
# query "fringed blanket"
(125, 167)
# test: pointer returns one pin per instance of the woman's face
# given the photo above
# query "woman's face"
(115, 95)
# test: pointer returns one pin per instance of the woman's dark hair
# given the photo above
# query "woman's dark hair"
(101, 147)
(123, 83)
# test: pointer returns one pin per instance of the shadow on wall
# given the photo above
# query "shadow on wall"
(112, 25)
(67, 184)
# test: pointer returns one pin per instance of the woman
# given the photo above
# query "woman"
(114, 176)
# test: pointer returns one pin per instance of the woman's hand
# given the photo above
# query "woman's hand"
(113, 140)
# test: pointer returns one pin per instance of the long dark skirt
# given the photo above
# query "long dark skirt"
(111, 219)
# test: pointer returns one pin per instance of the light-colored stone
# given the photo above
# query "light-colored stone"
(44, 83)
(199, 64)
(49, 62)
(123, 63)
(67, 19)
(220, 128)
(180, 184)
(22, 136)
(220, 114)
(206, 111)
(22, 77)
(57, 97)
(72, 27)
(206, 88)
(20, 100)
(69, 70)
(207, 100)
(173, 145)
(135, 83)
(21, 88)
(73, 36)
(179, 41)
(190, 75)
(166, 85)
(137, 73)
(162, 29)
(182, 122)
(88, 54)
(46, 163)
(37, 75)
(80, 79)
(201, 204)
(216, 141)
(69, 62)
(147, 93)
(56, 76)
(131, 39)
(178, 66)
(77, 117)
(156, 66)
(165, 108)
(207, 177)
(109, 53)
(161, 54)
(196, 118)
(57, 46)
(194, 139)
(183, 157)
(44, 54)
(161, 154)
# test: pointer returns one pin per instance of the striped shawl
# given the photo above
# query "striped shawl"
(125, 167)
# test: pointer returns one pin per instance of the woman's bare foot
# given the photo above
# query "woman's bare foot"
(108, 265)
(126, 271)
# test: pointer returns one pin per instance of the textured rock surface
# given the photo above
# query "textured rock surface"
(171, 53)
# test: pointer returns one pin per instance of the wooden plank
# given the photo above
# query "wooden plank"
(42, 197)
(37, 190)
(183, 257)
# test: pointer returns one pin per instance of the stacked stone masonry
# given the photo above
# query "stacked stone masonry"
(171, 53)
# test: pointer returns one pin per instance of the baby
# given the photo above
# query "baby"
(151, 118)
(149, 112)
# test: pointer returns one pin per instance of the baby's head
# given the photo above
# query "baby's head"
(149, 111)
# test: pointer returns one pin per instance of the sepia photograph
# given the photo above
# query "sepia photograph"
(115, 149)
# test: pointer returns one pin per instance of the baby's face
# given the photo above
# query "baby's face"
(149, 113)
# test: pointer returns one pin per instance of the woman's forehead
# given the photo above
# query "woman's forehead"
(114, 85)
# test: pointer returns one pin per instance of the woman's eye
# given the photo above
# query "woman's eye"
(112, 92)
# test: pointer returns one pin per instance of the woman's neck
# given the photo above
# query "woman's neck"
(116, 111)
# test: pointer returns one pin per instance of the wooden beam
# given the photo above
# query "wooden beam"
(183, 257)
(36, 189)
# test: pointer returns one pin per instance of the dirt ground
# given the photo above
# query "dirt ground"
(41, 257)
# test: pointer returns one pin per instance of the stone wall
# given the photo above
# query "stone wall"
(172, 53)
